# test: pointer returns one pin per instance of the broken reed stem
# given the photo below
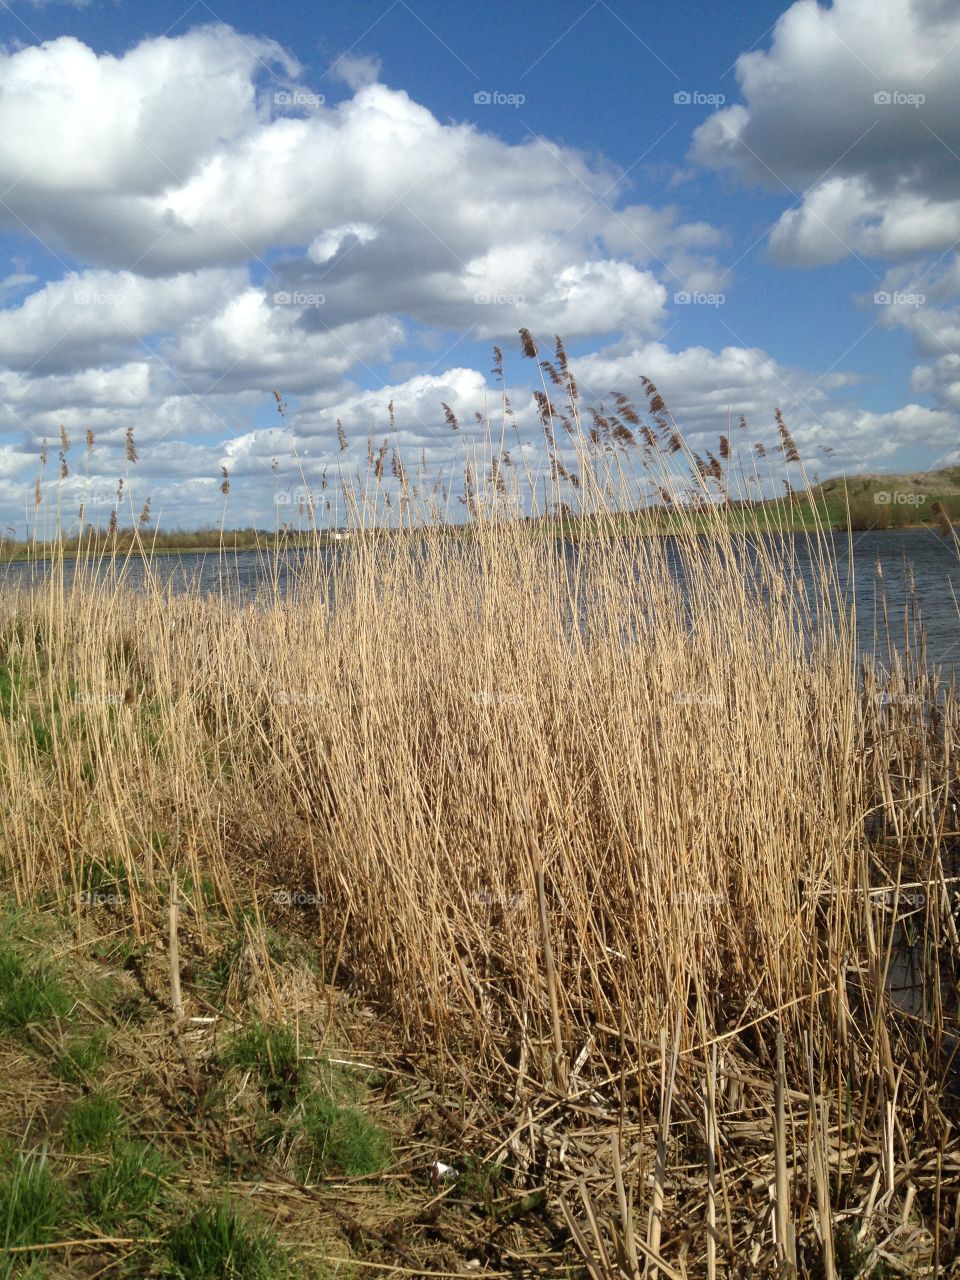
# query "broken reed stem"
(819, 1162)
(627, 1244)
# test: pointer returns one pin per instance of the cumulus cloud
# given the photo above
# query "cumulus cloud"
(183, 155)
(356, 70)
(93, 317)
(174, 170)
(236, 234)
(707, 392)
(84, 126)
(855, 112)
(923, 299)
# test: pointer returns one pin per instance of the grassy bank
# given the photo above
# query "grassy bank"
(619, 871)
(244, 1140)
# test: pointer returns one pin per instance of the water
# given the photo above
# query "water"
(908, 570)
(891, 575)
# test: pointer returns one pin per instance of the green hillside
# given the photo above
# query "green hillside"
(891, 501)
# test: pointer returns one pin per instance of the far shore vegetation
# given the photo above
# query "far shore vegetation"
(919, 500)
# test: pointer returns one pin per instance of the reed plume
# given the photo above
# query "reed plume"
(527, 344)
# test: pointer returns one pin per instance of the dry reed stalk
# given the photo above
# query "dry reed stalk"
(819, 1163)
(783, 1216)
(559, 1059)
(668, 1074)
(173, 950)
(710, 1124)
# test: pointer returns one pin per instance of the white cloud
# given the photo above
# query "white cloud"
(175, 177)
(856, 109)
(16, 282)
(85, 126)
(706, 390)
(923, 298)
(329, 243)
(170, 170)
(94, 317)
(175, 158)
(356, 70)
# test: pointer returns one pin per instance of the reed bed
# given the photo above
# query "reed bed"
(626, 840)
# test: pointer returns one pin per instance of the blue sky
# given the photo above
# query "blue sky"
(756, 205)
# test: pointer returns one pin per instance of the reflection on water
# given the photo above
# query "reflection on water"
(892, 576)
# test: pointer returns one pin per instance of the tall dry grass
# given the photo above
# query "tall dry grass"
(621, 836)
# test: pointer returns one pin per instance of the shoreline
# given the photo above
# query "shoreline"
(571, 535)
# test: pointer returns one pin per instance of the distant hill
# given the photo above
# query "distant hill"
(890, 501)
(944, 481)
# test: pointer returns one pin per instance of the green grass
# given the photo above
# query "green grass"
(271, 1053)
(94, 1124)
(175, 543)
(479, 1179)
(14, 704)
(340, 1137)
(102, 1177)
(328, 1132)
(32, 1202)
(323, 1127)
(214, 976)
(216, 1243)
(7, 688)
(80, 1059)
(127, 1188)
(29, 994)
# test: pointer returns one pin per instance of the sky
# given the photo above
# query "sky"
(757, 206)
